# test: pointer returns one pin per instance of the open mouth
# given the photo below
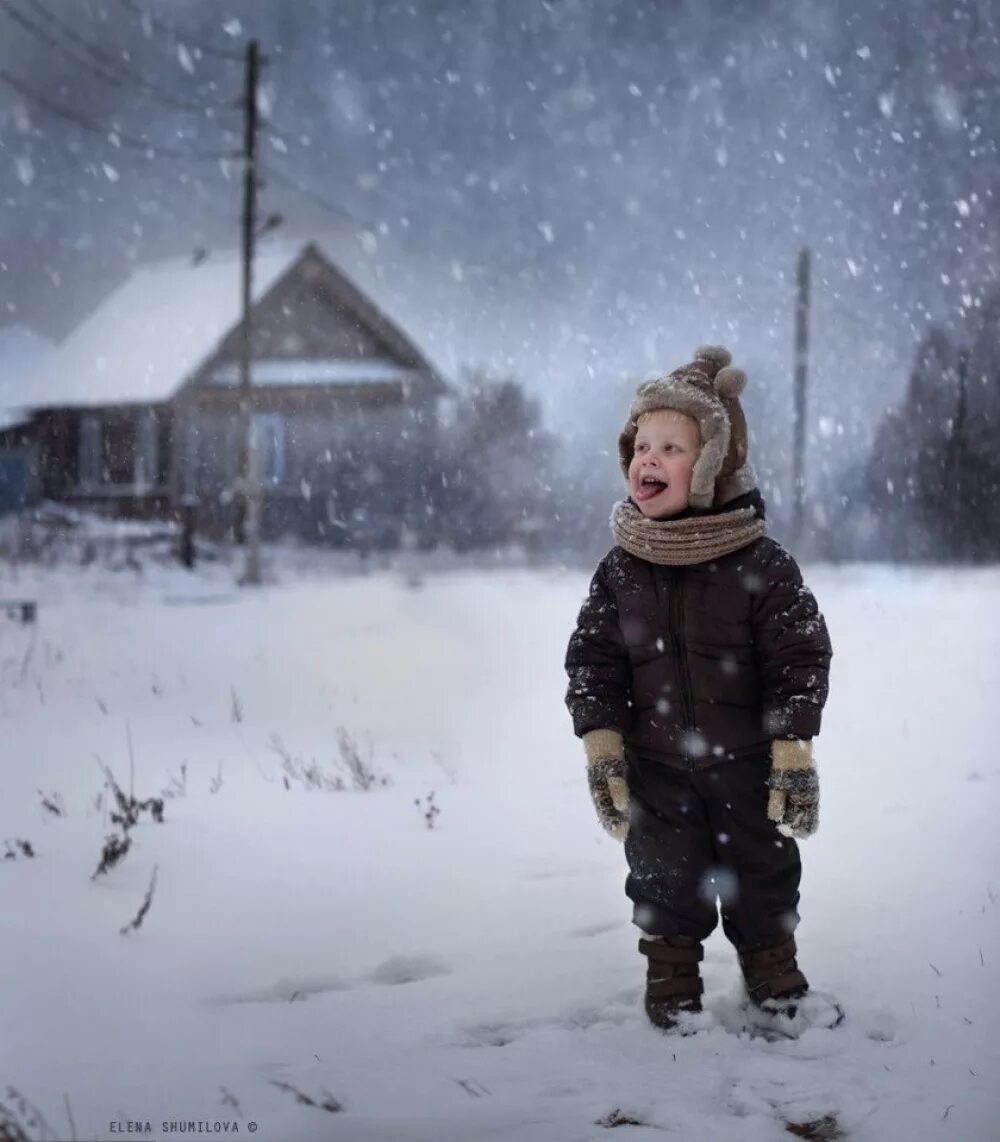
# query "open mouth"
(649, 487)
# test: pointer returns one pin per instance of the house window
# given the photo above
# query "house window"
(269, 444)
(118, 429)
(147, 450)
(90, 448)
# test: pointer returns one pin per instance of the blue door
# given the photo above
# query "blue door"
(14, 490)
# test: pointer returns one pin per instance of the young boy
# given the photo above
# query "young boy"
(698, 672)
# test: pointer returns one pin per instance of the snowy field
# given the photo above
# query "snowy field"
(477, 979)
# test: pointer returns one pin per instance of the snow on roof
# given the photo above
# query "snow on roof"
(148, 337)
(145, 339)
(21, 351)
(12, 417)
(275, 371)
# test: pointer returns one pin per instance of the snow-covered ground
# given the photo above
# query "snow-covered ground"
(478, 979)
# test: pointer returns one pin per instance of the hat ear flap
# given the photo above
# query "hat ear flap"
(730, 382)
(706, 467)
(626, 448)
(736, 452)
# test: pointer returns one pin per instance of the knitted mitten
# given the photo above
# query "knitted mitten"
(606, 776)
(793, 803)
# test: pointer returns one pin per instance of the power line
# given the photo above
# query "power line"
(106, 66)
(179, 37)
(330, 207)
(109, 133)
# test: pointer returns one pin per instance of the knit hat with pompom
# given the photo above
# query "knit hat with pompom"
(708, 390)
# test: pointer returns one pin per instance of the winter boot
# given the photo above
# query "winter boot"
(782, 1004)
(673, 981)
(773, 978)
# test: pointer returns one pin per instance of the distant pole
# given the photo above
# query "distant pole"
(953, 463)
(801, 372)
(247, 522)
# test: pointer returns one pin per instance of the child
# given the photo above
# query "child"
(698, 673)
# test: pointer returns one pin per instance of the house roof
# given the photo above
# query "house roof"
(149, 336)
(12, 417)
(21, 352)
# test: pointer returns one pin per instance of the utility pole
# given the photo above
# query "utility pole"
(954, 460)
(248, 500)
(801, 371)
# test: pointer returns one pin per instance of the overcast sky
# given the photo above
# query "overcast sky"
(599, 186)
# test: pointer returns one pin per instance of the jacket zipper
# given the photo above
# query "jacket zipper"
(680, 653)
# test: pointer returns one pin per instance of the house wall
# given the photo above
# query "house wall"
(114, 484)
(349, 461)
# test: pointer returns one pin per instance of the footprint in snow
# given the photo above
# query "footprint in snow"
(499, 1034)
(493, 1034)
(289, 989)
(408, 969)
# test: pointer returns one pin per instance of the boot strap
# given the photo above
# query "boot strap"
(663, 952)
(681, 985)
(778, 987)
(753, 960)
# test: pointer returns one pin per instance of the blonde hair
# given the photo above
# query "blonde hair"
(673, 412)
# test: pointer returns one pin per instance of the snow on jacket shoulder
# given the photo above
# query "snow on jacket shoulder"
(699, 663)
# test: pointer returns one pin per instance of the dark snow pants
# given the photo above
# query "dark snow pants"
(698, 835)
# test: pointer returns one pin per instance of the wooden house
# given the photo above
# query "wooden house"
(139, 407)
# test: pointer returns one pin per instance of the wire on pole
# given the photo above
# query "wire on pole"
(111, 134)
(101, 63)
(331, 208)
(230, 54)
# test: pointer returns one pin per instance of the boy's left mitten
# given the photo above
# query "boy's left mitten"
(793, 801)
(606, 775)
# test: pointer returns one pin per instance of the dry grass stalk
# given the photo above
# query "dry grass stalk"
(308, 774)
(215, 784)
(129, 807)
(115, 849)
(177, 788)
(11, 851)
(53, 804)
(618, 1117)
(360, 767)
(429, 810)
(328, 1101)
(21, 1117)
(136, 923)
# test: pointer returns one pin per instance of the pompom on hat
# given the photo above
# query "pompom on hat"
(708, 390)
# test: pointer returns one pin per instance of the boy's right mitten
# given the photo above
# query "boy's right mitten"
(793, 801)
(606, 775)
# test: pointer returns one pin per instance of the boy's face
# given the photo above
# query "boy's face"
(659, 478)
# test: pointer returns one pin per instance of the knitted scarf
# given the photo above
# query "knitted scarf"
(679, 542)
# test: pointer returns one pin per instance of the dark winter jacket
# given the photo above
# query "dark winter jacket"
(701, 663)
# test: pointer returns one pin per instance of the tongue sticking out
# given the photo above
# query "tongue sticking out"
(648, 491)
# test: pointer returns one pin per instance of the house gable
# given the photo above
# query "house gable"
(314, 314)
